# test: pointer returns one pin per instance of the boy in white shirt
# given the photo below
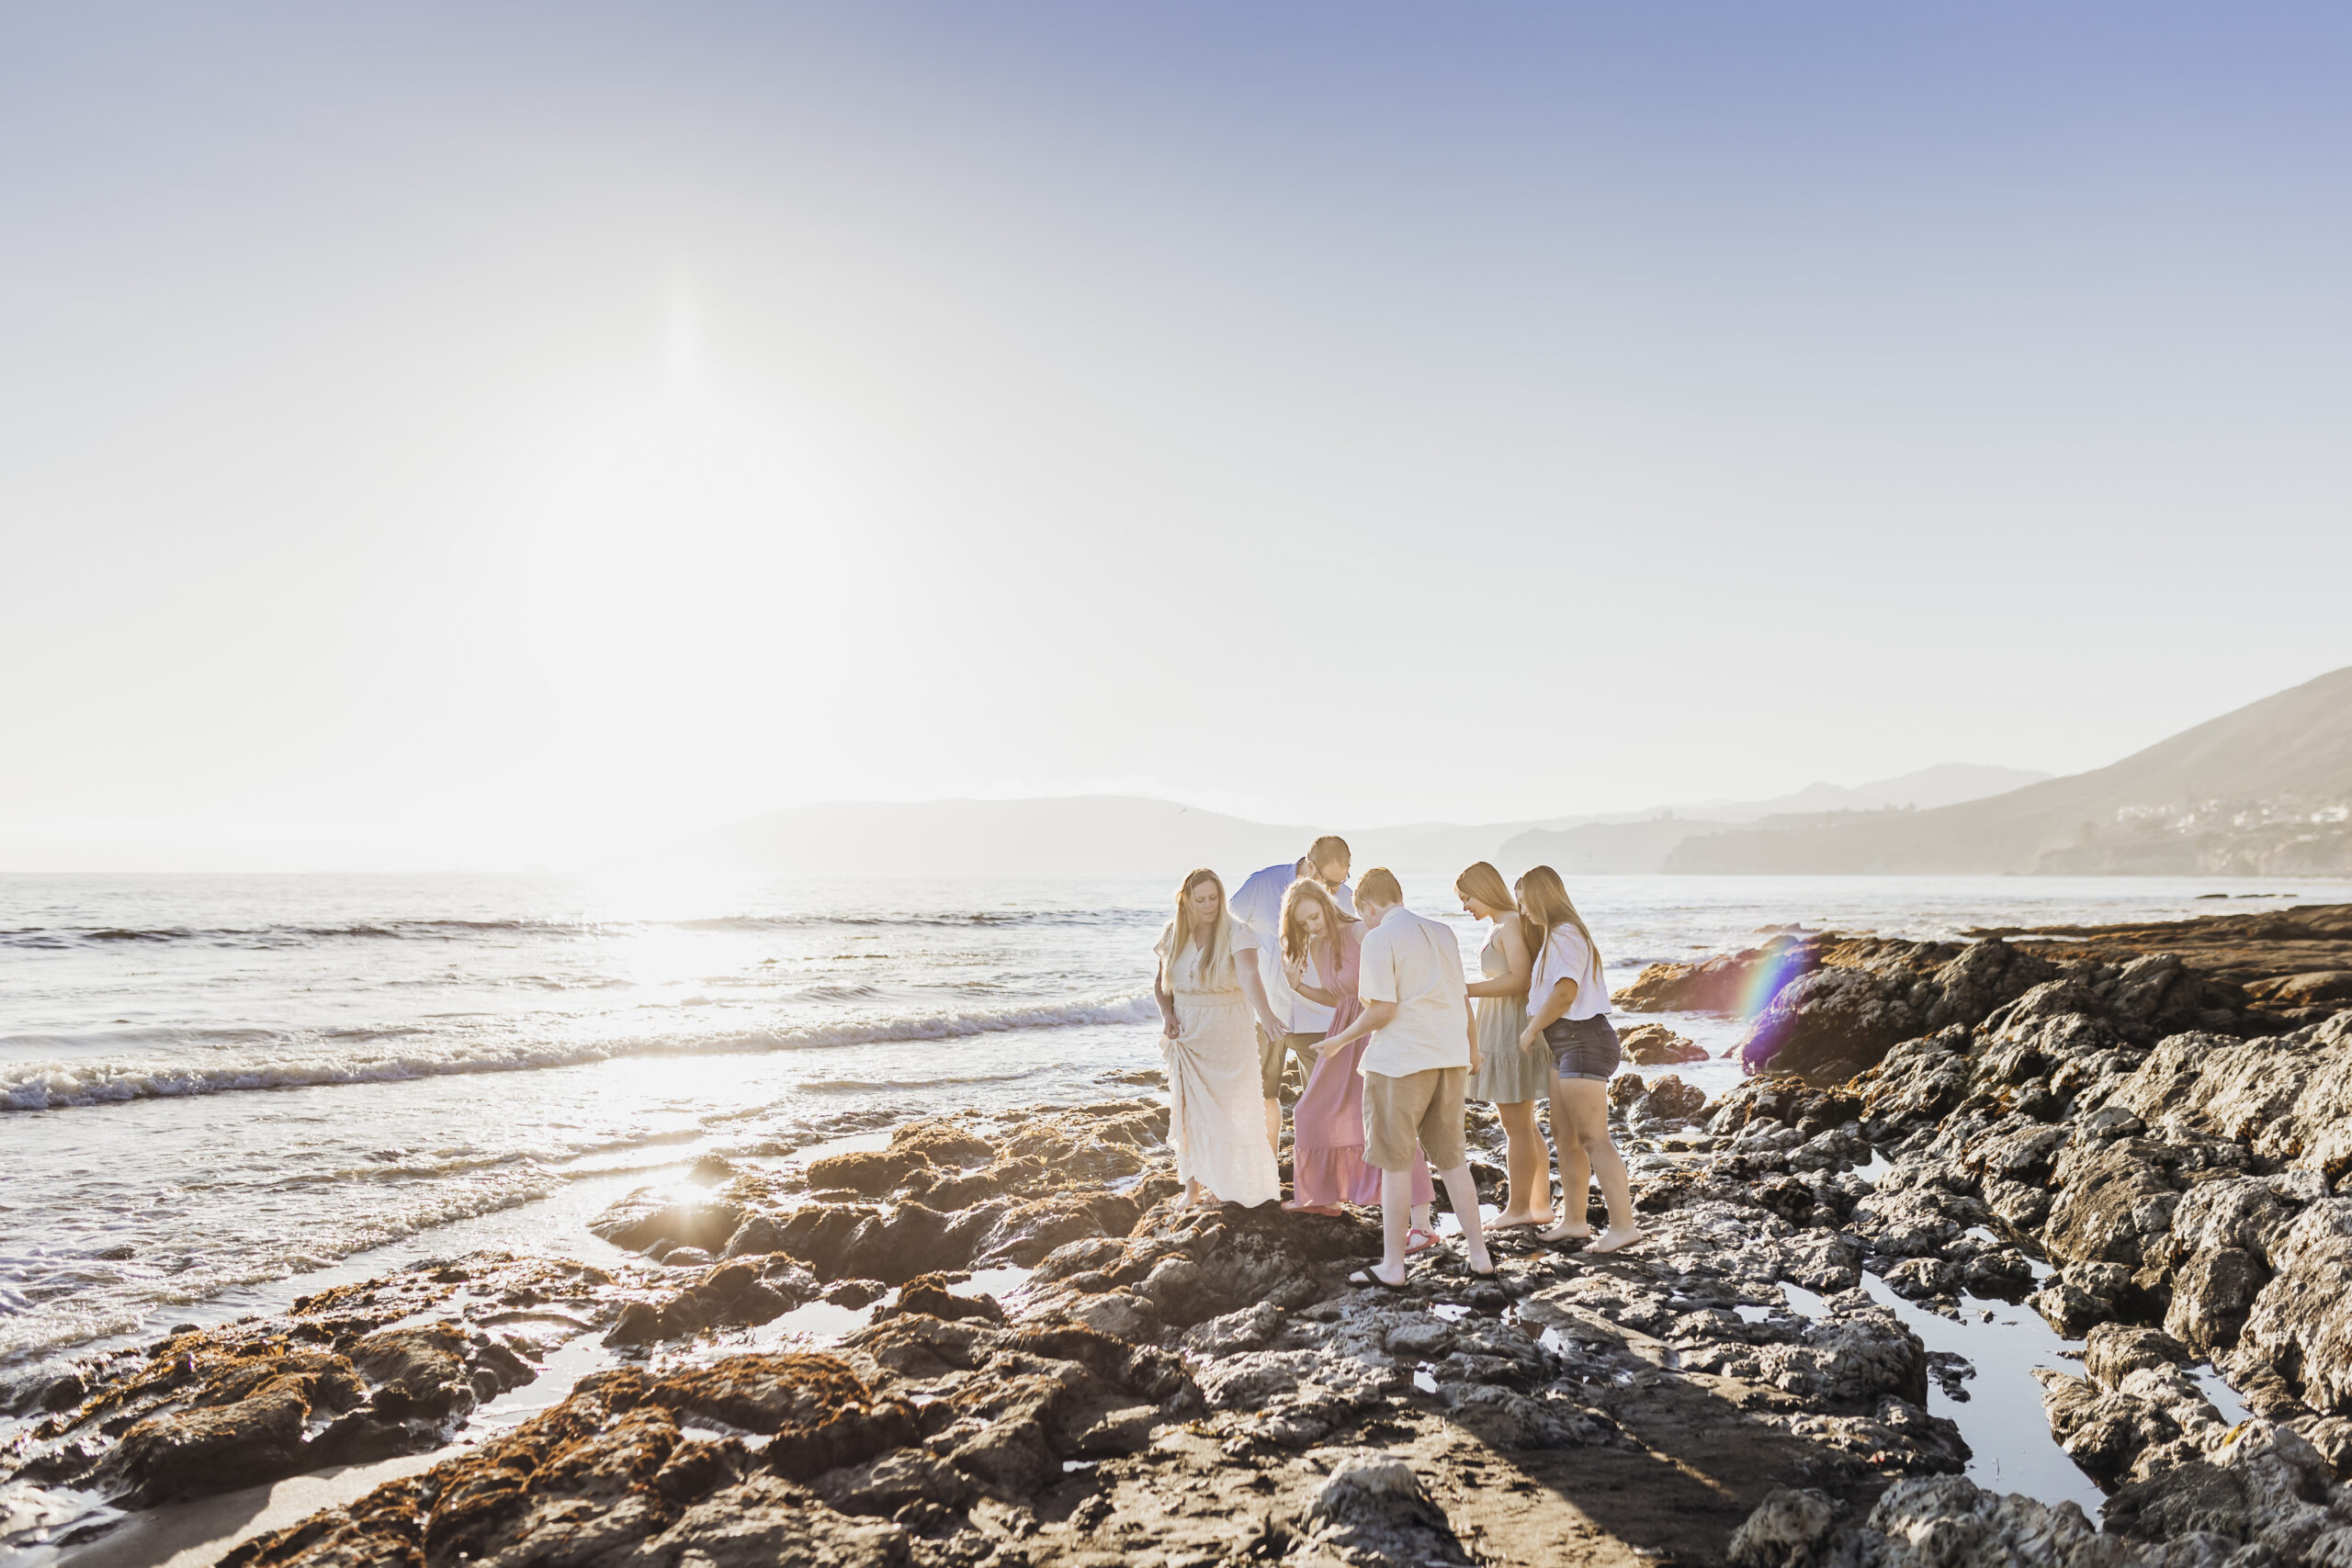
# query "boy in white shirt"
(1424, 1045)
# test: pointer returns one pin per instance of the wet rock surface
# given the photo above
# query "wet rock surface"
(1147, 1382)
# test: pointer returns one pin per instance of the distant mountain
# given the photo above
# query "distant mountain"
(1645, 844)
(1088, 835)
(1946, 783)
(2266, 790)
(1105, 835)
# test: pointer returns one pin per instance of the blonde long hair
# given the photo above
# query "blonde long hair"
(1215, 969)
(1484, 884)
(1303, 892)
(1543, 907)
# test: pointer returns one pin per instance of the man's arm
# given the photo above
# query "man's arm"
(1376, 1016)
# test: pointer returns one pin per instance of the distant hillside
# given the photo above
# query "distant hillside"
(1094, 835)
(1105, 835)
(1947, 784)
(1643, 846)
(2266, 790)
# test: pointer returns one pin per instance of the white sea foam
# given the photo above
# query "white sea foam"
(295, 1064)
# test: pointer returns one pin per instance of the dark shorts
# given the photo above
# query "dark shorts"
(1584, 1047)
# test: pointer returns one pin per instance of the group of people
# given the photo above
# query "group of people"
(1393, 1037)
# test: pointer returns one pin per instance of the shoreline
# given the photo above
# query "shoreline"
(1751, 1386)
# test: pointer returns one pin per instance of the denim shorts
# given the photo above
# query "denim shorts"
(1584, 1047)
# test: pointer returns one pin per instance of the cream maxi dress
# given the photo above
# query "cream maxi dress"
(1217, 1119)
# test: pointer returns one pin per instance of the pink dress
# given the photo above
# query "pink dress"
(1327, 1125)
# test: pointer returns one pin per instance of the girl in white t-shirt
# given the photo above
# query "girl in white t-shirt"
(1567, 1012)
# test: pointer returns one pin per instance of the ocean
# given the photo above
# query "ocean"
(218, 1091)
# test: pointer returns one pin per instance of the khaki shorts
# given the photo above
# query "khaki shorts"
(1423, 1108)
(1270, 1060)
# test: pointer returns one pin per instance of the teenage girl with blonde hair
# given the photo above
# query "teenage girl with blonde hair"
(1509, 1075)
(1321, 950)
(1208, 986)
(1567, 1012)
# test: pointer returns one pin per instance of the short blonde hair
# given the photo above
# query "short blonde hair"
(1379, 884)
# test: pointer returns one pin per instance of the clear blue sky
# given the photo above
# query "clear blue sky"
(437, 434)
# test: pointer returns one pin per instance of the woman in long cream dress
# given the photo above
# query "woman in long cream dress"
(1210, 1009)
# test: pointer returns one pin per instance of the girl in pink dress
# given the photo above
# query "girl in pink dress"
(1320, 951)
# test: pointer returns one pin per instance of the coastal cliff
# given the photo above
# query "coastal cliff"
(998, 1340)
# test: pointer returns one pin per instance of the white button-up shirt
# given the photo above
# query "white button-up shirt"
(1416, 964)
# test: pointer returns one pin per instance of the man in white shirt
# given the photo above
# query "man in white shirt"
(1424, 1046)
(1258, 904)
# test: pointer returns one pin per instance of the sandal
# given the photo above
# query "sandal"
(1427, 1239)
(1366, 1277)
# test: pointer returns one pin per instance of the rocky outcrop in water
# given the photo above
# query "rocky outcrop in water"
(1831, 1006)
(348, 1377)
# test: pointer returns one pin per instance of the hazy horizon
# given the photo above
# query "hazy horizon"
(443, 437)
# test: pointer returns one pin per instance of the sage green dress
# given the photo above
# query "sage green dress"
(1507, 1073)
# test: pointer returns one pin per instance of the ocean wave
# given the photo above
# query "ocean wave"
(272, 935)
(56, 1085)
(151, 1286)
(58, 938)
(846, 1086)
(950, 919)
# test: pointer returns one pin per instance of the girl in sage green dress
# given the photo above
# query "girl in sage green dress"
(1508, 1074)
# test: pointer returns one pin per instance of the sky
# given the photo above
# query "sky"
(452, 435)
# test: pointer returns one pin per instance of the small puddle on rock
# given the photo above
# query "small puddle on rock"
(558, 1375)
(1450, 1222)
(2008, 1437)
(817, 1320)
(2225, 1398)
(998, 1283)
(852, 1144)
(1803, 1302)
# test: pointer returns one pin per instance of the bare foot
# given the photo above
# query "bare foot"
(1615, 1238)
(1295, 1207)
(1566, 1230)
(1507, 1221)
(1482, 1262)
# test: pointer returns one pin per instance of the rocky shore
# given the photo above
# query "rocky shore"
(1000, 1340)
